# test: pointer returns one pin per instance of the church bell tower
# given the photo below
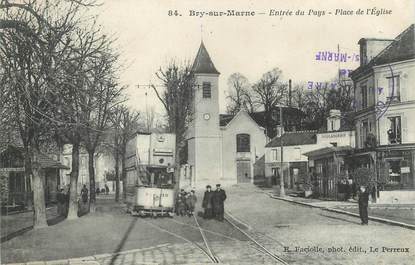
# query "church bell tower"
(204, 137)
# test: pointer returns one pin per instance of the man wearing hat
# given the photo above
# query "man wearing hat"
(207, 203)
(218, 199)
(363, 204)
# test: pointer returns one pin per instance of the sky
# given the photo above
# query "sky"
(148, 38)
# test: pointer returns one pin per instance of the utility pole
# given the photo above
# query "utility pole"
(282, 190)
(338, 70)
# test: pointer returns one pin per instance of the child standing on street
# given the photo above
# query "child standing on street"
(181, 203)
(191, 203)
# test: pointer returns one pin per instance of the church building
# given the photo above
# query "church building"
(219, 150)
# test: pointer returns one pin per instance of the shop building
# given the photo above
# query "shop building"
(296, 145)
(16, 192)
(385, 106)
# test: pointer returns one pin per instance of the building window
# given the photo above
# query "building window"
(207, 91)
(364, 131)
(364, 96)
(394, 131)
(394, 88)
(394, 172)
(274, 154)
(319, 168)
(243, 143)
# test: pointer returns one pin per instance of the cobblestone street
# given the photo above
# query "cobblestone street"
(276, 224)
(280, 224)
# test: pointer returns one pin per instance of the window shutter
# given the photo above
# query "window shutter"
(404, 127)
(403, 87)
(206, 90)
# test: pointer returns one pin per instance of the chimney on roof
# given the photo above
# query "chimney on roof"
(333, 120)
(370, 47)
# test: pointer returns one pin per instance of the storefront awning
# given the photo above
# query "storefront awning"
(46, 162)
(326, 151)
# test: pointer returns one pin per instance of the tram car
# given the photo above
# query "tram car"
(150, 180)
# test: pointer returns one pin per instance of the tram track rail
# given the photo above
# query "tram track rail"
(208, 252)
(213, 256)
(259, 245)
(207, 249)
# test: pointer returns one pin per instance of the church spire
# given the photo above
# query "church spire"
(203, 64)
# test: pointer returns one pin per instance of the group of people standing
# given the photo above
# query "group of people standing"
(349, 188)
(213, 203)
(185, 203)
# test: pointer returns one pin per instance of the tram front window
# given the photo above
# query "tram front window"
(160, 178)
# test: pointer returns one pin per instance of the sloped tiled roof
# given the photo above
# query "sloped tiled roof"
(43, 159)
(46, 162)
(203, 64)
(294, 138)
(402, 48)
(259, 116)
(224, 119)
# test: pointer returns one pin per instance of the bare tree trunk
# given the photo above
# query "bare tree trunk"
(117, 176)
(39, 216)
(73, 198)
(91, 170)
(123, 176)
(28, 175)
(177, 164)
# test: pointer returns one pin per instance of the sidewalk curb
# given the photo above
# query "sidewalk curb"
(372, 218)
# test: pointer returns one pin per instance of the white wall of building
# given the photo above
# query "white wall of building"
(242, 123)
(292, 153)
(379, 89)
(204, 145)
(103, 163)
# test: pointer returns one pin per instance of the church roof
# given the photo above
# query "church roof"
(203, 64)
(259, 117)
(224, 119)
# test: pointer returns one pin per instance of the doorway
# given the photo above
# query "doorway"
(243, 171)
